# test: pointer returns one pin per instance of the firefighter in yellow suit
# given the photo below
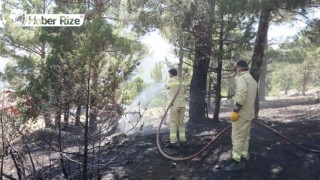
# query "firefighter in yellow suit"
(242, 116)
(177, 108)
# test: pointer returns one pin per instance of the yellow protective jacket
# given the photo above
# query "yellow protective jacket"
(246, 91)
(173, 85)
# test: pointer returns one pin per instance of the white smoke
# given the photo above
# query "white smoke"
(132, 114)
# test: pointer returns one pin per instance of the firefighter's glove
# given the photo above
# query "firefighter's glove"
(234, 116)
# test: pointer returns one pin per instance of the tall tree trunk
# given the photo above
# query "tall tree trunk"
(66, 113)
(199, 77)
(47, 114)
(209, 94)
(219, 75)
(86, 129)
(203, 46)
(259, 49)
(91, 117)
(262, 81)
(93, 113)
(78, 114)
(304, 83)
(2, 142)
(180, 73)
(63, 168)
(99, 4)
(217, 101)
(93, 99)
(57, 119)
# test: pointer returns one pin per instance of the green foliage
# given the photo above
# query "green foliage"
(95, 51)
(21, 44)
(295, 68)
(285, 78)
(18, 72)
(137, 85)
(160, 100)
(312, 32)
(157, 73)
(129, 90)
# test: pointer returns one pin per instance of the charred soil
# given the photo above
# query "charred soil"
(136, 156)
(271, 157)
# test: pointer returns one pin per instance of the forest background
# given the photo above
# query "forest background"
(53, 70)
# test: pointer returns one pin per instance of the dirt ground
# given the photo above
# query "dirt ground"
(271, 157)
(136, 156)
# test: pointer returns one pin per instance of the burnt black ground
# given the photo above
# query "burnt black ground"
(136, 156)
(271, 157)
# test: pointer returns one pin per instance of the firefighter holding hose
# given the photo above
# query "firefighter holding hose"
(242, 116)
(177, 109)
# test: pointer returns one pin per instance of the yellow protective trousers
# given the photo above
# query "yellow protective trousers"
(240, 137)
(177, 122)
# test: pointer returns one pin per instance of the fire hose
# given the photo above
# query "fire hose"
(215, 137)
